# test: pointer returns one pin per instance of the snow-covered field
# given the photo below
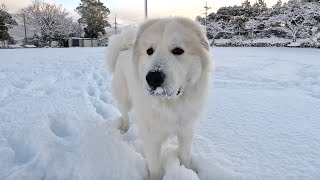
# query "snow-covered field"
(57, 118)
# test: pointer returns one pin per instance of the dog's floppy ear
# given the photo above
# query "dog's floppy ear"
(204, 41)
(201, 33)
(142, 28)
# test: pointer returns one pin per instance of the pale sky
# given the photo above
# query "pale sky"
(132, 12)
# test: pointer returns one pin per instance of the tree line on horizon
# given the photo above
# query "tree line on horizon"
(293, 19)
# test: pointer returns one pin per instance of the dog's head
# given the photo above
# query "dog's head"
(170, 56)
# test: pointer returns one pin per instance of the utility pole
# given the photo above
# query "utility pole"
(25, 29)
(205, 20)
(80, 30)
(145, 10)
(115, 24)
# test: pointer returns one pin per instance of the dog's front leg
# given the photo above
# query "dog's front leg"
(153, 152)
(185, 137)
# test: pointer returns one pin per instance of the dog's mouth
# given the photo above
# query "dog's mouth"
(164, 93)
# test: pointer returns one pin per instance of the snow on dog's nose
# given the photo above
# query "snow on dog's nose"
(155, 79)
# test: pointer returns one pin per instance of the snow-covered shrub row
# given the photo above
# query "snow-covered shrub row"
(266, 42)
(248, 44)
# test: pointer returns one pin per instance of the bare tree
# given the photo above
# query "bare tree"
(51, 20)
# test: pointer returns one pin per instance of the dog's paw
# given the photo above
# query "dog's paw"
(155, 176)
(124, 127)
(186, 164)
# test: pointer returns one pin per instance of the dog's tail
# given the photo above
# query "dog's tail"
(117, 44)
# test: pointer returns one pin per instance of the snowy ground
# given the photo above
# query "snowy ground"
(57, 118)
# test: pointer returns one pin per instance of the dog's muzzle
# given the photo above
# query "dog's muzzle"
(164, 93)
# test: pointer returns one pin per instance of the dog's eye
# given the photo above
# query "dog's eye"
(150, 51)
(177, 51)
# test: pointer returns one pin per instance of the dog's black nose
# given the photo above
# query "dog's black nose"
(155, 79)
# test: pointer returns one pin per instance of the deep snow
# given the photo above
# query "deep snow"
(58, 119)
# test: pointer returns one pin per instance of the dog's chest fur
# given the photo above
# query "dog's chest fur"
(167, 117)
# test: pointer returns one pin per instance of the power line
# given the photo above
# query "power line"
(25, 29)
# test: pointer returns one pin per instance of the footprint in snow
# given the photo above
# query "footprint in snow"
(20, 84)
(22, 148)
(59, 125)
(91, 91)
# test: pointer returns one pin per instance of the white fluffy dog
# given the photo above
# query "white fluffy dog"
(161, 72)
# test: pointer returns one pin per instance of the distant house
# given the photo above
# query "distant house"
(80, 42)
(103, 41)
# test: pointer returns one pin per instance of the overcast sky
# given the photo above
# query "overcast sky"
(132, 11)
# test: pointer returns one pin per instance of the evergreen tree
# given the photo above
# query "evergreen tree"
(6, 22)
(279, 3)
(246, 4)
(36, 40)
(276, 9)
(95, 15)
(260, 4)
(258, 8)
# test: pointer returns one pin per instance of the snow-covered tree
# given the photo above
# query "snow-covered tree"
(246, 4)
(314, 35)
(252, 25)
(6, 22)
(36, 40)
(216, 27)
(51, 20)
(276, 9)
(297, 16)
(95, 16)
(258, 8)
(76, 30)
(238, 24)
(279, 3)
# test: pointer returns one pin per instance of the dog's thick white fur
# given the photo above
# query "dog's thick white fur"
(178, 48)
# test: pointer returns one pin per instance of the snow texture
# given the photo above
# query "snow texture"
(58, 119)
